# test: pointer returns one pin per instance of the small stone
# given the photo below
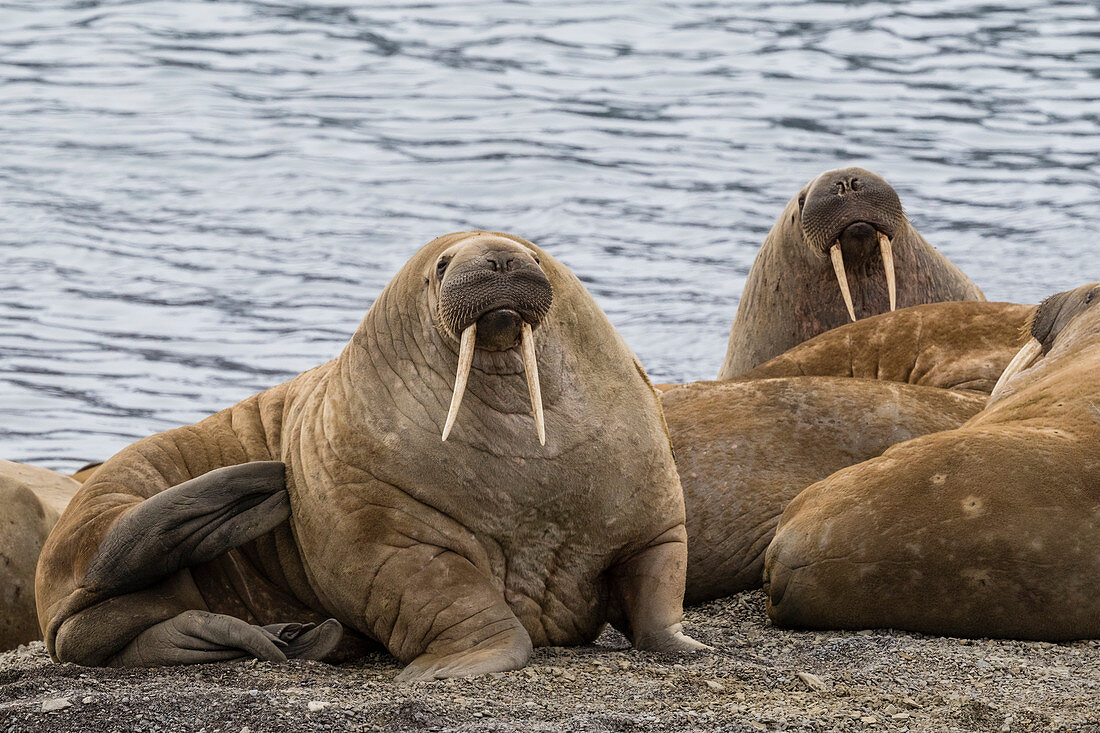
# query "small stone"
(246, 729)
(86, 700)
(715, 685)
(812, 681)
(624, 663)
(530, 672)
(900, 716)
(60, 703)
(316, 706)
(869, 719)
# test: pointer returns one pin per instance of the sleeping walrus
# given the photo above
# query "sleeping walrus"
(31, 500)
(988, 530)
(841, 250)
(745, 449)
(955, 345)
(551, 505)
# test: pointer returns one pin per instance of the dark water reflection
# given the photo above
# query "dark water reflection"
(202, 199)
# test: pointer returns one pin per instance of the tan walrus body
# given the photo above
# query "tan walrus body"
(956, 345)
(458, 556)
(745, 449)
(989, 530)
(31, 500)
(842, 250)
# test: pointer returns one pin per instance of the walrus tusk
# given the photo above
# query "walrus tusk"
(888, 263)
(842, 278)
(531, 366)
(1024, 358)
(465, 359)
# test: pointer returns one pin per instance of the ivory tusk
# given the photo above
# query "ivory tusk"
(531, 367)
(1024, 358)
(888, 263)
(465, 359)
(842, 278)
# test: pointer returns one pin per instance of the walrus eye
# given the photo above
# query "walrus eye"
(441, 266)
(1088, 297)
(538, 260)
(801, 201)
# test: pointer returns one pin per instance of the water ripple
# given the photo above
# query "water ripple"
(202, 199)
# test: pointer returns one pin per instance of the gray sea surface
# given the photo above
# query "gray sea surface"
(201, 199)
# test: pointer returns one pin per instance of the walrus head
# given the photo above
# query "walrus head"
(848, 214)
(491, 293)
(1046, 323)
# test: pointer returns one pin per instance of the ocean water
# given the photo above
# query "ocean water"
(201, 199)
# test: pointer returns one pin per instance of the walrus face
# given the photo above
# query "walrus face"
(491, 293)
(1048, 321)
(849, 213)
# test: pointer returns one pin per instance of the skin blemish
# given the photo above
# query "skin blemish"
(973, 506)
(978, 577)
(939, 478)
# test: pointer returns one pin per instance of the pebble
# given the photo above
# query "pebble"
(59, 703)
(316, 706)
(86, 700)
(812, 681)
(715, 685)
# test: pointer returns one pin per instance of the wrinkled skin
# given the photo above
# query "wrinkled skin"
(31, 500)
(745, 449)
(988, 530)
(458, 556)
(959, 345)
(792, 293)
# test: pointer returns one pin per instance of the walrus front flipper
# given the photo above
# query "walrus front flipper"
(198, 637)
(188, 524)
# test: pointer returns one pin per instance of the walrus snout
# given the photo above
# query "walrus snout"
(493, 281)
(837, 199)
(492, 295)
(843, 213)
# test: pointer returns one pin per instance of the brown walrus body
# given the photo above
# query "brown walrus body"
(458, 556)
(31, 500)
(955, 345)
(745, 449)
(988, 530)
(794, 292)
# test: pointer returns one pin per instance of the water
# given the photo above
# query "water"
(201, 200)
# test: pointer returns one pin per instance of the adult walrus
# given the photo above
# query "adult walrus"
(458, 556)
(955, 345)
(745, 449)
(31, 500)
(988, 530)
(831, 258)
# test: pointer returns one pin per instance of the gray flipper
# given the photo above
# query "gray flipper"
(199, 637)
(189, 524)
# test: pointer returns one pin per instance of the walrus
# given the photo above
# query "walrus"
(31, 500)
(527, 506)
(841, 250)
(745, 449)
(954, 345)
(987, 530)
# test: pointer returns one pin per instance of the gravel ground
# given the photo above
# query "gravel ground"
(758, 678)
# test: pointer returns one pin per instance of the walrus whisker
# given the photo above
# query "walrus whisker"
(531, 367)
(842, 278)
(888, 263)
(465, 359)
(1024, 358)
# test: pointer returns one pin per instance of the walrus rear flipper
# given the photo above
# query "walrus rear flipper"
(135, 607)
(189, 524)
(198, 637)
